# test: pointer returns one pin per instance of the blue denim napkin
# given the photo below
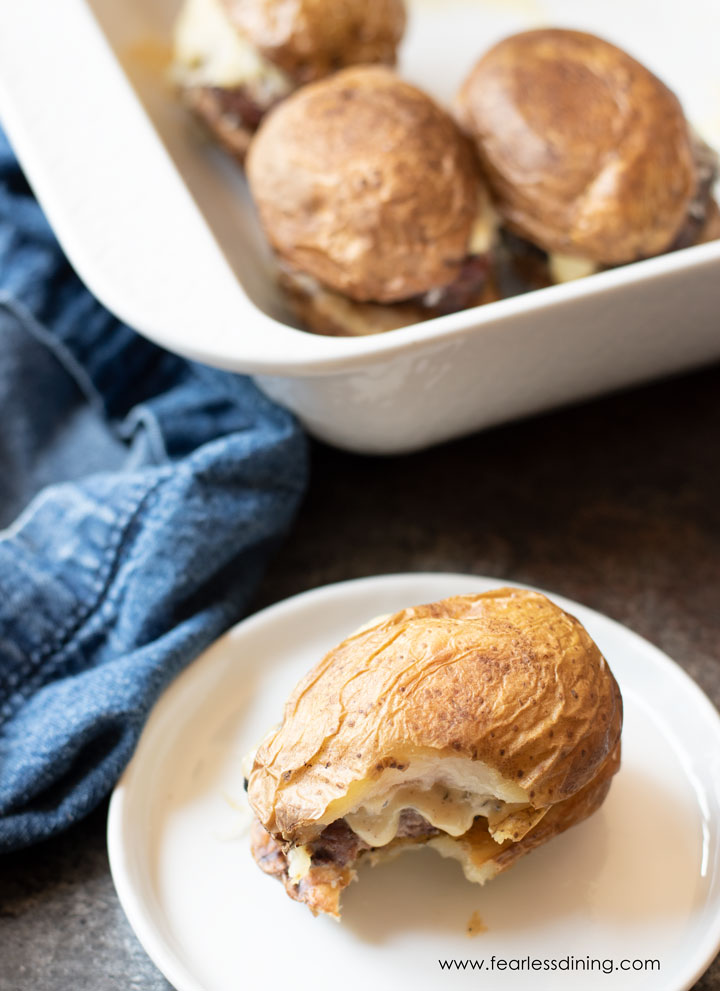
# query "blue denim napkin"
(150, 492)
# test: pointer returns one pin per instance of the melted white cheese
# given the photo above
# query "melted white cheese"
(484, 231)
(446, 808)
(209, 51)
(448, 791)
(478, 867)
(567, 268)
(299, 861)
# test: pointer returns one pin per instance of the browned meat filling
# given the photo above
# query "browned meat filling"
(338, 844)
(413, 826)
(239, 104)
(334, 855)
(468, 288)
(520, 266)
(706, 165)
(231, 114)
(326, 311)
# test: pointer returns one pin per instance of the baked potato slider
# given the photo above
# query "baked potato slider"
(591, 161)
(234, 59)
(481, 725)
(372, 200)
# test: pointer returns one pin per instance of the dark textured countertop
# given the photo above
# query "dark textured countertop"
(615, 504)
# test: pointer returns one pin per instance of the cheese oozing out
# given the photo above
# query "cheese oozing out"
(484, 231)
(210, 51)
(447, 791)
(567, 268)
(299, 863)
(477, 859)
(445, 808)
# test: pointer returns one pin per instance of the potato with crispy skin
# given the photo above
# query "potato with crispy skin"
(371, 198)
(481, 725)
(235, 59)
(589, 155)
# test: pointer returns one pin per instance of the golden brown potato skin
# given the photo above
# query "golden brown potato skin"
(588, 153)
(311, 38)
(571, 812)
(506, 678)
(363, 182)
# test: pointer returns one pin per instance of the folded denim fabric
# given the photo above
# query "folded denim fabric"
(151, 492)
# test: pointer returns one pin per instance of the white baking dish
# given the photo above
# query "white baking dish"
(159, 225)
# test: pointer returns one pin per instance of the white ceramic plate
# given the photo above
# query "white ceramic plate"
(639, 880)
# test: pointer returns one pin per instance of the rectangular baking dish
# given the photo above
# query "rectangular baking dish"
(158, 224)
